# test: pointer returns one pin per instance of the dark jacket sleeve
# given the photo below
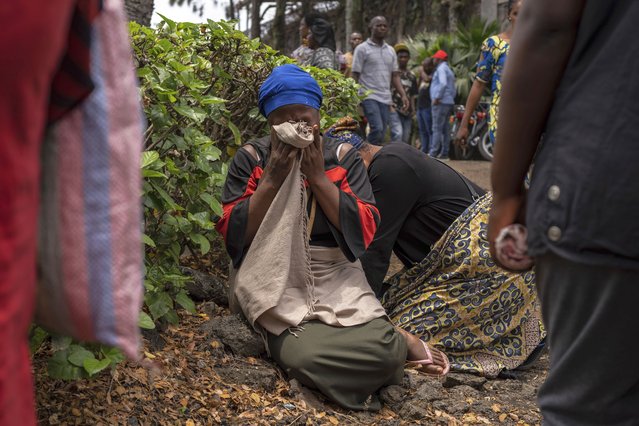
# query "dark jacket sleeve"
(357, 212)
(241, 182)
(391, 181)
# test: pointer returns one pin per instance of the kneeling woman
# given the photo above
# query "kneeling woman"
(310, 299)
(451, 293)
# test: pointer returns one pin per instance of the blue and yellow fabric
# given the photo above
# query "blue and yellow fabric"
(489, 69)
(486, 319)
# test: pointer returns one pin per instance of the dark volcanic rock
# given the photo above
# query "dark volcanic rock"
(235, 333)
(393, 396)
(459, 379)
(428, 392)
(206, 287)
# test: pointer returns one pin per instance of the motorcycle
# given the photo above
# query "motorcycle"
(477, 132)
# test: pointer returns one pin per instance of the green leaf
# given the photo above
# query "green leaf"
(115, 355)
(94, 366)
(159, 304)
(172, 317)
(59, 343)
(37, 336)
(149, 157)
(166, 197)
(148, 241)
(172, 25)
(195, 114)
(203, 242)
(59, 367)
(145, 321)
(153, 174)
(213, 203)
(211, 100)
(236, 132)
(185, 301)
(78, 354)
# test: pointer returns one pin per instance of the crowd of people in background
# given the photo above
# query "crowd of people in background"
(397, 97)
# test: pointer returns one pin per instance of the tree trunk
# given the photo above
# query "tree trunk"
(139, 11)
(307, 7)
(231, 10)
(401, 19)
(348, 23)
(279, 26)
(453, 15)
(356, 20)
(256, 30)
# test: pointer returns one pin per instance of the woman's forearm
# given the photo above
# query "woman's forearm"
(472, 101)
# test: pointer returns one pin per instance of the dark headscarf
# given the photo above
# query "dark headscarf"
(322, 31)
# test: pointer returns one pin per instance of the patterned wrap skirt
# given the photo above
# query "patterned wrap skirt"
(457, 299)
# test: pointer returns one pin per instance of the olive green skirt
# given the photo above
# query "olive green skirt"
(346, 364)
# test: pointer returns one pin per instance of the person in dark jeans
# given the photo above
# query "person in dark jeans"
(375, 68)
(442, 94)
(424, 112)
(583, 197)
(401, 119)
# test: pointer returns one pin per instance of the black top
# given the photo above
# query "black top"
(358, 215)
(423, 97)
(418, 199)
(584, 195)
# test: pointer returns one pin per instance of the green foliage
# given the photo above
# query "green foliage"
(462, 46)
(71, 361)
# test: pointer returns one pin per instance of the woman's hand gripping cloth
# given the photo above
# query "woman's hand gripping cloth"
(511, 248)
(280, 251)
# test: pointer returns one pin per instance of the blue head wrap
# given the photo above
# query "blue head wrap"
(289, 84)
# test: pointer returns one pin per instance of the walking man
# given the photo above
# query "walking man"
(375, 68)
(401, 121)
(442, 94)
(582, 228)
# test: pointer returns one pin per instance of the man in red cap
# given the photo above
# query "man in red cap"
(442, 94)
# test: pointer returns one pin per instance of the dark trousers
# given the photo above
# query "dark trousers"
(425, 125)
(592, 317)
(378, 116)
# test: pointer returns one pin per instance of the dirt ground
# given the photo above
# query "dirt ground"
(476, 171)
(212, 369)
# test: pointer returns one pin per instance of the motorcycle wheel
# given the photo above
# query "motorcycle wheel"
(463, 152)
(486, 147)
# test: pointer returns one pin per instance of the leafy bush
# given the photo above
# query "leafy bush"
(199, 87)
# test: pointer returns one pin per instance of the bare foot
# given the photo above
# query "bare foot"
(417, 352)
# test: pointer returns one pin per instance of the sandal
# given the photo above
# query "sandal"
(429, 361)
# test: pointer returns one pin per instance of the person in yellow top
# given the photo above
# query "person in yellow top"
(490, 66)
(355, 39)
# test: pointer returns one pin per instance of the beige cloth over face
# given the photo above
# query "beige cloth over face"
(282, 281)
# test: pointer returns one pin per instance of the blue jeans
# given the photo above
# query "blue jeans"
(377, 115)
(401, 126)
(441, 130)
(425, 125)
